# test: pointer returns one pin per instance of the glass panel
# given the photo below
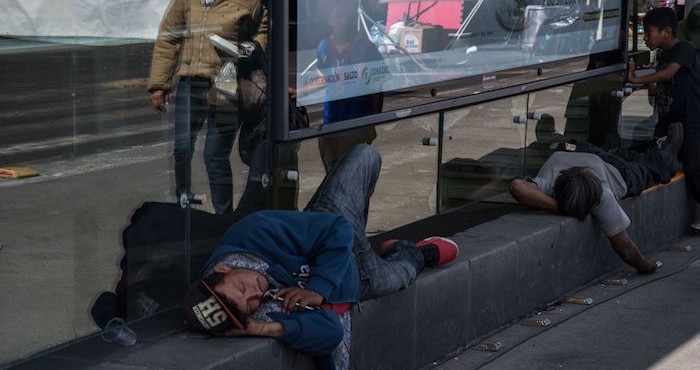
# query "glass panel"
(482, 151)
(104, 213)
(593, 111)
(548, 114)
(406, 189)
(79, 117)
(396, 44)
(590, 114)
(637, 118)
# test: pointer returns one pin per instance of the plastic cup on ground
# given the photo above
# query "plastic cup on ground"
(117, 332)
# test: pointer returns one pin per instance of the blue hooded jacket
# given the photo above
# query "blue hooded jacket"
(308, 249)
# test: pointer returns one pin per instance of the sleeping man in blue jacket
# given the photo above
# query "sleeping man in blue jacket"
(294, 275)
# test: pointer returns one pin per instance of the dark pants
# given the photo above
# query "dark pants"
(332, 147)
(691, 165)
(192, 110)
(639, 170)
(346, 190)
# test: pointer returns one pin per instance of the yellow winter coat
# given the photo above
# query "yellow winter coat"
(183, 47)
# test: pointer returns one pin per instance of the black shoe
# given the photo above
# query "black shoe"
(673, 141)
(671, 144)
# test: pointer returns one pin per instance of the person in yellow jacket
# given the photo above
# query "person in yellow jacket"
(184, 53)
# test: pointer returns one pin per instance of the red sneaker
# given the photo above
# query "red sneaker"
(438, 251)
(385, 246)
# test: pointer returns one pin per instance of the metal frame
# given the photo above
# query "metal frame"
(279, 84)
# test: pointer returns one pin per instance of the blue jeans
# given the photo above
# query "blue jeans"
(191, 112)
(346, 190)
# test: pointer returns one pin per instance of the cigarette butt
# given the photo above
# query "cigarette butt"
(681, 248)
(616, 281)
(580, 300)
(536, 321)
(488, 346)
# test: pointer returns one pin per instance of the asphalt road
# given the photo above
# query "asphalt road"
(66, 99)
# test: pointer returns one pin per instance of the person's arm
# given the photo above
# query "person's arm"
(527, 193)
(166, 50)
(315, 332)
(263, 18)
(322, 240)
(331, 254)
(663, 75)
(318, 82)
(628, 251)
(258, 328)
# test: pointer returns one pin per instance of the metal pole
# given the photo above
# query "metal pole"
(440, 147)
(279, 71)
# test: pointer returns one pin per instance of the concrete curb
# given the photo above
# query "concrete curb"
(506, 269)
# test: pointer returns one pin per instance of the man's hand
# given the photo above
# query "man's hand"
(258, 328)
(295, 295)
(158, 100)
(630, 253)
(246, 49)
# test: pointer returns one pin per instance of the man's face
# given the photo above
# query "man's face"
(654, 37)
(344, 24)
(244, 287)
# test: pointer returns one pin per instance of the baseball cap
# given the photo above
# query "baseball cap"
(204, 310)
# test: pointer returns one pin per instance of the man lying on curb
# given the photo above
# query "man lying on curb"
(294, 275)
(586, 179)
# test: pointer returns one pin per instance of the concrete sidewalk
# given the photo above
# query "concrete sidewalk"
(651, 322)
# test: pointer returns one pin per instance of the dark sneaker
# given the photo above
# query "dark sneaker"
(438, 251)
(674, 140)
(670, 145)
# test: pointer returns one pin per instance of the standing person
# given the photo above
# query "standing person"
(273, 264)
(345, 47)
(678, 93)
(183, 50)
(589, 180)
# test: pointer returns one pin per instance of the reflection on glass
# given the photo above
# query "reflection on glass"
(488, 145)
(427, 42)
(483, 150)
(349, 72)
(405, 191)
(593, 110)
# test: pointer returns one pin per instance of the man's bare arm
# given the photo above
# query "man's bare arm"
(527, 193)
(663, 75)
(258, 328)
(630, 253)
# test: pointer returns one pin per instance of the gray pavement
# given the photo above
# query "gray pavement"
(652, 322)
